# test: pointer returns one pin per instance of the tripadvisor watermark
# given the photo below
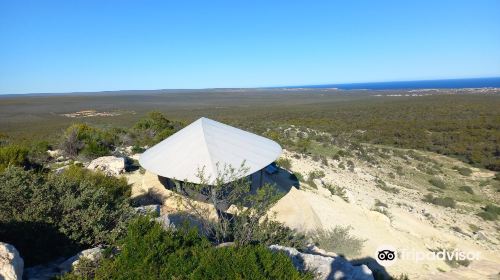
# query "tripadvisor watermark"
(387, 255)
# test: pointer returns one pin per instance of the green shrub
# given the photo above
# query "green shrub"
(441, 201)
(379, 203)
(488, 216)
(265, 232)
(383, 186)
(89, 141)
(438, 183)
(138, 149)
(338, 191)
(474, 228)
(337, 240)
(284, 163)
(453, 262)
(302, 145)
(56, 215)
(94, 149)
(490, 212)
(399, 170)
(464, 171)
(316, 174)
(13, 155)
(466, 189)
(341, 165)
(153, 128)
(150, 252)
(37, 155)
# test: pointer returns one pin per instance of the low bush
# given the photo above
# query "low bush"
(13, 155)
(338, 191)
(438, 183)
(341, 165)
(441, 201)
(150, 252)
(337, 240)
(303, 145)
(88, 141)
(152, 129)
(316, 174)
(383, 186)
(284, 163)
(464, 171)
(266, 232)
(452, 262)
(48, 216)
(490, 212)
(379, 203)
(466, 189)
(488, 216)
(137, 149)
(474, 228)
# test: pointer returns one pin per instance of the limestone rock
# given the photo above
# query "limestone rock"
(92, 254)
(54, 153)
(11, 263)
(326, 266)
(110, 165)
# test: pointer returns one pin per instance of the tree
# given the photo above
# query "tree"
(248, 221)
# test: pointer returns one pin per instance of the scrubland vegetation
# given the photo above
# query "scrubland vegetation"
(47, 215)
(64, 212)
(338, 240)
(465, 126)
(149, 252)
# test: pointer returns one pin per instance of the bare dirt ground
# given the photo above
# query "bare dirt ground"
(413, 225)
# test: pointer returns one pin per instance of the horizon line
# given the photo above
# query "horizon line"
(267, 87)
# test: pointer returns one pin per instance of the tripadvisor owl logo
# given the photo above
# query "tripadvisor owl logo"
(386, 255)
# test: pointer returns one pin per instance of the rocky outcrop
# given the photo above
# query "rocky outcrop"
(110, 165)
(92, 254)
(327, 266)
(11, 263)
(61, 266)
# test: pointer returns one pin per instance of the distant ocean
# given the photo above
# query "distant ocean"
(424, 84)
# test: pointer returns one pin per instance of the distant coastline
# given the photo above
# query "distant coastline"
(421, 84)
(493, 82)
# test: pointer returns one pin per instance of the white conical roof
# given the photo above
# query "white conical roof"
(209, 145)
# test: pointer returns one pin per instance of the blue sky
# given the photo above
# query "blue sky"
(65, 46)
